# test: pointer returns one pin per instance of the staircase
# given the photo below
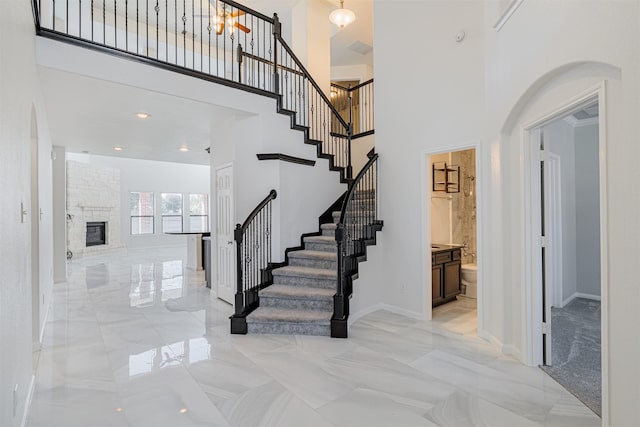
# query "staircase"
(309, 293)
(300, 300)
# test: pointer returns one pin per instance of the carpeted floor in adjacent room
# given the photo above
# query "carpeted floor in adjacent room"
(575, 347)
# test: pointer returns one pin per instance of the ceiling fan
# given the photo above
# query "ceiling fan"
(225, 18)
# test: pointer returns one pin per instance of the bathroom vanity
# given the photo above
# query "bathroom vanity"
(445, 273)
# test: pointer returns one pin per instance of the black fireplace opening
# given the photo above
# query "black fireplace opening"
(96, 233)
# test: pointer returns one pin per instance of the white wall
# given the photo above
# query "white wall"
(430, 103)
(587, 210)
(158, 177)
(535, 64)
(19, 93)
(487, 88)
(559, 139)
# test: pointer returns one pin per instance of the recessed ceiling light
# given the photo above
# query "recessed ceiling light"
(184, 148)
(183, 410)
(142, 115)
(117, 148)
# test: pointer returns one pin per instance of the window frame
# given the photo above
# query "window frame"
(152, 216)
(206, 215)
(163, 215)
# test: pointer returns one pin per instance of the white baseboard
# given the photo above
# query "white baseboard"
(580, 295)
(27, 403)
(391, 308)
(588, 296)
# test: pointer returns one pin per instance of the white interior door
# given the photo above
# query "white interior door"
(546, 219)
(225, 217)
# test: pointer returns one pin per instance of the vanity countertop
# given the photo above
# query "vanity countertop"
(441, 247)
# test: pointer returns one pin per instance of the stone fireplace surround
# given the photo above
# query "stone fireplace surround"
(93, 195)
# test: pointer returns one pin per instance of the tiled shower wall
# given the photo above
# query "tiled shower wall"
(464, 205)
(93, 195)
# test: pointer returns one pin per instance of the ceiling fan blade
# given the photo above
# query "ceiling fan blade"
(241, 27)
(237, 13)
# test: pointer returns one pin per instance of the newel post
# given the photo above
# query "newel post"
(277, 32)
(239, 320)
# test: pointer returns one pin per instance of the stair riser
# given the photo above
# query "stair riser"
(288, 328)
(311, 282)
(329, 232)
(296, 304)
(322, 247)
(313, 262)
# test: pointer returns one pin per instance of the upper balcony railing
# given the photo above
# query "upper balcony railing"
(221, 41)
(355, 105)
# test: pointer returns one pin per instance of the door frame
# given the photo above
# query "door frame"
(555, 194)
(531, 190)
(36, 305)
(214, 233)
(426, 227)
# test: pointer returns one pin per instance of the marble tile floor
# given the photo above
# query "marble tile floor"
(135, 339)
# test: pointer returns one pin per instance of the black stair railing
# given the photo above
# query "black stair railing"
(355, 230)
(221, 41)
(355, 106)
(253, 261)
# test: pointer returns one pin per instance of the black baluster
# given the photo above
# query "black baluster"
(201, 50)
(115, 23)
(193, 36)
(184, 33)
(80, 18)
(126, 25)
(137, 27)
(157, 9)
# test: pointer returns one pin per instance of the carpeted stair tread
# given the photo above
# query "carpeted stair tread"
(298, 271)
(297, 292)
(328, 226)
(277, 315)
(321, 255)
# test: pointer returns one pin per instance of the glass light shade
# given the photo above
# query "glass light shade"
(342, 17)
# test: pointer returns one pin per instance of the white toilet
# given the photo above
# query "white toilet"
(469, 279)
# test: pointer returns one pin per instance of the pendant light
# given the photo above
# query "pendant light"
(342, 17)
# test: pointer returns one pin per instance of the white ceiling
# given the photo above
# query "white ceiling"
(87, 114)
(361, 30)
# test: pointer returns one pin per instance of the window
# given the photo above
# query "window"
(198, 212)
(171, 212)
(141, 212)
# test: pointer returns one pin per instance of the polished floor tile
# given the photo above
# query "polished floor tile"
(136, 339)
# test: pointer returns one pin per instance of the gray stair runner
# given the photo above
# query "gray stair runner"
(300, 301)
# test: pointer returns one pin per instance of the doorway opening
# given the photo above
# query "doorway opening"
(568, 189)
(454, 240)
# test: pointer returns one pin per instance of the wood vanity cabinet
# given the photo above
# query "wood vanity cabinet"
(445, 275)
